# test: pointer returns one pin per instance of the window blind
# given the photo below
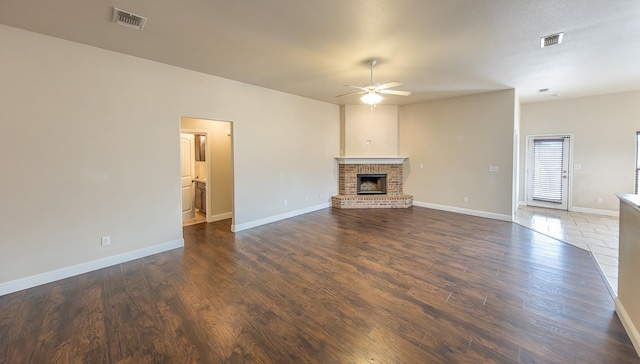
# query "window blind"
(548, 170)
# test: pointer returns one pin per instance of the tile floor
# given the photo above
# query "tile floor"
(595, 233)
(199, 218)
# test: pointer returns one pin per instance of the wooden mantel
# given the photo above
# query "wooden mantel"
(371, 160)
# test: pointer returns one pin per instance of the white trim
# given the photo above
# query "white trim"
(74, 270)
(459, 210)
(587, 210)
(371, 160)
(628, 325)
(270, 219)
(218, 217)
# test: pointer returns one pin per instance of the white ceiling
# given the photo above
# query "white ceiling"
(436, 48)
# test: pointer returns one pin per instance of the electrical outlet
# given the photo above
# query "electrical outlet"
(105, 240)
(493, 168)
(600, 200)
(306, 198)
(284, 203)
(421, 165)
(465, 199)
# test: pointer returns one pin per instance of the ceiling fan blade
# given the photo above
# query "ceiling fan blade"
(395, 92)
(388, 85)
(353, 93)
(358, 87)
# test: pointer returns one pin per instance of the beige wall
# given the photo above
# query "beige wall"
(77, 167)
(220, 161)
(221, 172)
(370, 132)
(201, 169)
(456, 140)
(604, 129)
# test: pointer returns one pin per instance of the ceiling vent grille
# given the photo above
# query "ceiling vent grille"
(550, 40)
(128, 19)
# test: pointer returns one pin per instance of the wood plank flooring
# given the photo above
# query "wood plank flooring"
(333, 286)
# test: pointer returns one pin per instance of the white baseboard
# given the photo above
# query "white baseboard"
(459, 210)
(270, 219)
(628, 325)
(587, 210)
(62, 273)
(226, 215)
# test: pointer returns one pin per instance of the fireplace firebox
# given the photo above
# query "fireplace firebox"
(372, 184)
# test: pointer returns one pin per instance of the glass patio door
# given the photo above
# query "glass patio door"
(548, 171)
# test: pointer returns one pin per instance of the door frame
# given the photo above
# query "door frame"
(527, 163)
(200, 129)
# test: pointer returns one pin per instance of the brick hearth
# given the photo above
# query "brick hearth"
(348, 197)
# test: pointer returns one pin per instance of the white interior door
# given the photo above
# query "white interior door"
(548, 171)
(187, 174)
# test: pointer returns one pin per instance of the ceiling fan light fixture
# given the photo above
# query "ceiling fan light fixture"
(371, 98)
(371, 92)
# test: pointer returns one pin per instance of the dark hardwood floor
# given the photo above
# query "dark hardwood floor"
(333, 286)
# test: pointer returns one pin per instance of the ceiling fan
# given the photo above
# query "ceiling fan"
(372, 91)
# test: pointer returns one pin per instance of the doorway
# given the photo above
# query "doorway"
(211, 191)
(548, 175)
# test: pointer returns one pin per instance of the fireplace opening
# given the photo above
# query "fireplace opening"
(371, 184)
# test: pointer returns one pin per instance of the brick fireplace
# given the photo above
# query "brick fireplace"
(390, 168)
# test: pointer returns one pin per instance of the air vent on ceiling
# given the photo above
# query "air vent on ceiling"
(550, 40)
(128, 19)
